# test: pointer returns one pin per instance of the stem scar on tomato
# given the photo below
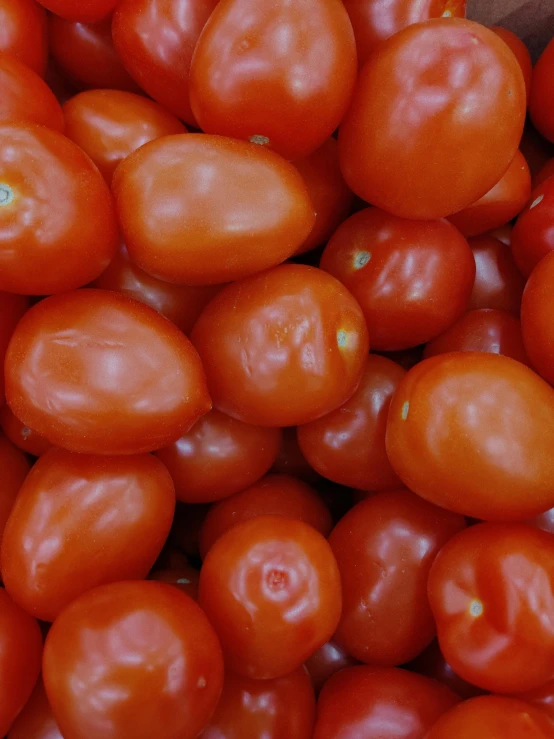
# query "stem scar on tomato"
(6, 194)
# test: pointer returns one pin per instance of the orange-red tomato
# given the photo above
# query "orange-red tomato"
(15, 468)
(537, 314)
(22, 436)
(533, 235)
(23, 33)
(541, 105)
(12, 308)
(36, 720)
(498, 282)
(25, 96)
(520, 51)
(323, 664)
(86, 11)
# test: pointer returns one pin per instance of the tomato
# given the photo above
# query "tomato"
(380, 703)
(472, 432)
(12, 308)
(412, 279)
(533, 235)
(280, 74)
(449, 87)
(544, 173)
(98, 373)
(272, 709)
(484, 330)
(282, 348)
(15, 468)
(36, 720)
(110, 124)
(276, 495)
(492, 717)
(185, 578)
(240, 207)
(542, 698)
(541, 107)
(291, 461)
(501, 204)
(132, 659)
(219, 456)
(22, 436)
(498, 282)
(520, 51)
(85, 11)
(270, 587)
(537, 312)
(20, 655)
(432, 664)
(348, 444)
(25, 97)
(23, 33)
(323, 664)
(384, 548)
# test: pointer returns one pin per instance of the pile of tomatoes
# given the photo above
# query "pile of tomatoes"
(277, 351)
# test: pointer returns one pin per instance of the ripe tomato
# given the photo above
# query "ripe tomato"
(272, 709)
(380, 703)
(498, 282)
(160, 673)
(219, 456)
(282, 348)
(541, 107)
(250, 212)
(533, 235)
(521, 53)
(25, 97)
(85, 11)
(280, 74)
(291, 461)
(431, 663)
(22, 436)
(471, 124)
(36, 720)
(185, 578)
(323, 664)
(472, 432)
(537, 313)
(23, 33)
(412, 279)
(110, 124)
(15, 468)
(384, 548)
(546, 172)
(348, 444)
(98, 373)
(275, 495)
(12, 308)
(270, 587)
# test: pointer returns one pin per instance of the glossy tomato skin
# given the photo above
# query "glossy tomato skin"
(451, 423)
(533, 236)
(240, 208)
(218, 457)
(22, 436)
(282, 348)
(323, 664)
(431, 663)
(85, 11)
(380, 703)
(272, 709)
(258, 72)
(541, 108)
(385, 139)
(520, 51)
(536, 318)
(15, 468)
(384, 548)
(347, 445)
(99, 373)
(24, 34)
(379, 257)
(12, 308)
(498, 282)
(25, 96)
(36, 720)
(270, 587)
(161, 664)
(110, 124)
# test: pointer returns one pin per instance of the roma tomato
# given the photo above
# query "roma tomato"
(282, 348)
(380, 258)
(184, 578)
(380, 703)
(98, 373)
(218, 457)
(15, 468)
(472, 432)
(110, 517)
(25, 97)
(431, 663)
(22, 436)
(491, 589)
(110, 124)
(521, 53)
(384, 548)
(259, 72)
(533, 234)
(85, 11)
(36, 720)
(272, 709)
(161, 667)
(240, 208)
(347, 445)
(23, 33)
(537, 314)
(271, 589)
(541, 105)
(473, 126)
(12, 308)
(498, 282)
(329, 659)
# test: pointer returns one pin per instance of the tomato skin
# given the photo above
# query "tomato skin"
(541, 108)
(84, 11)
(385, 139)
(161, 664)
(271, 589)
(498, 282)
(323, 664)
(36, 720)
(252, 213)
(542, 698)
(378, 257)
(12, 308)
(536, 318)
(282, 348)
(521, 53)
(15, 468)
(450, 423)
(184, 578)
(22, 436)
(25, 97)
(384, 548)
(23, 33)
(61, 387)
(431, 663)
(533, 236)
(246, 82)
(272, 709)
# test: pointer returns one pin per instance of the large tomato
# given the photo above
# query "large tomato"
(541, 106)
(12, 308)
(23, 33)
(533, 235)
(498, 282)
(537, 315)
(25, 97)
(36, 720)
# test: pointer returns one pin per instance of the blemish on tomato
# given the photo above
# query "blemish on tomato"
(536, 201)
(405, 410)
(476, 608)
(259, 139)
(361, 259)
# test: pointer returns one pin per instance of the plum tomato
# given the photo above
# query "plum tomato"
(36, 720)
(23, 33)
(541, 106)
(498, 282)
(25, 97)
(533, 234)
(537, 314)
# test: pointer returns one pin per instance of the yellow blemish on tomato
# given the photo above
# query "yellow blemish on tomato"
(6, 194)
(476, 608)
(405, 410)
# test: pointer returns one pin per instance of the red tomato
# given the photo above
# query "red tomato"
(98, 373)
(12, 308)
(25, 97)
(22, 436)
(501, 204)
(485, 588)
(282, 348)
(275, 495)
(271, 589)
(384, 548)
(432, 664)
(219, 456)
(380, 703)
(36, 720)
(533, 234)
(498, 282)
(86, 11)
(348, 444)
(279, 74)
(272, 709)
(473, 432)
(23, 33)
(541, 105)
(412, 279)
(520, 51)
(542, 698)
(15, 468)
(185, 578)
(291, 461)
(323, 664)
(110, 124)
(450, 87)
(132, 659)
(537, 314)
(241, 208)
